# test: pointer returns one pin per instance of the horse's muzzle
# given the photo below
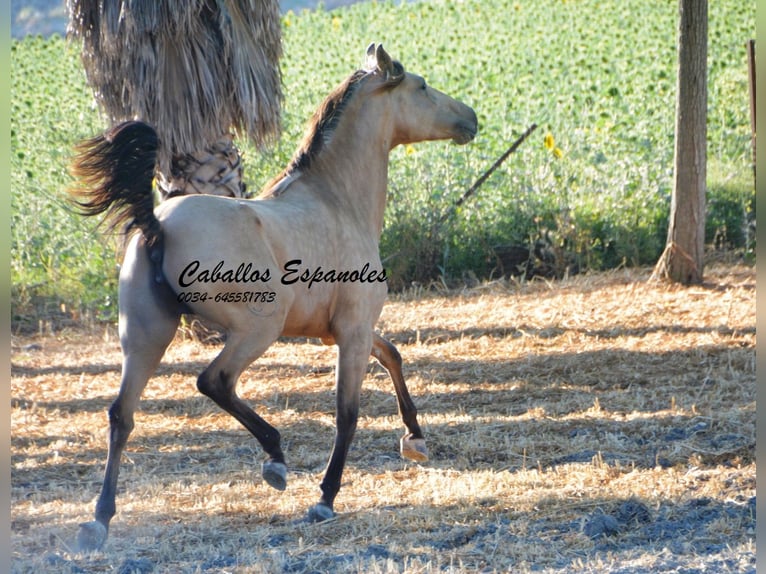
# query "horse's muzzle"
(466, 129)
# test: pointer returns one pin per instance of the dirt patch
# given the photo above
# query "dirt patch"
(599, 424)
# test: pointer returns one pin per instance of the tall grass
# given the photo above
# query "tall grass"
(593, 182)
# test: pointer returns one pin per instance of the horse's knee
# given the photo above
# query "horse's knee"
(211, 385)
(120, 421)
(394, 354)
(387, 353)
(203, 384)
(347, 418)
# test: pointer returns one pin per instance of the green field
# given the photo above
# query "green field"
(594, 180)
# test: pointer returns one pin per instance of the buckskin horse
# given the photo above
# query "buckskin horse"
(301, 259)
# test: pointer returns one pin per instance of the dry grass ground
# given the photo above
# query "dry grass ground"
(599, 424)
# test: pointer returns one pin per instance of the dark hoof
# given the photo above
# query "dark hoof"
(91, 536)
(319, 513)
(275, 474)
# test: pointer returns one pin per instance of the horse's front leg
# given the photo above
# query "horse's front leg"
(219, 382)
(413, 444)
(353, 355)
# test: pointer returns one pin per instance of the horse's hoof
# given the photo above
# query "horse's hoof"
(91, 536)
(275, 474)
(320, 512)
(414, 449)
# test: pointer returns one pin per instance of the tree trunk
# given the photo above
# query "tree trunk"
(683, 258)
(216, 171)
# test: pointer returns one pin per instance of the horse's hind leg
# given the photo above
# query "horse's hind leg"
(413, 444)
(146, 329)
(139, 363)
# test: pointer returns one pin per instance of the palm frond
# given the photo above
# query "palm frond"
(195, 70)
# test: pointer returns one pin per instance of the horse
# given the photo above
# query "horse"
(301, 259)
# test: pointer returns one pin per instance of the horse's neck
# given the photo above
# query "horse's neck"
(356, 170)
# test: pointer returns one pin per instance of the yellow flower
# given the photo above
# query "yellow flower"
(335, 23)
(557, 152)
(409, 149)
(549, 142)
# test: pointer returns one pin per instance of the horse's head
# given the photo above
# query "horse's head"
(418, 112)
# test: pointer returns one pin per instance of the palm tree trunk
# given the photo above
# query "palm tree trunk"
(216, 171)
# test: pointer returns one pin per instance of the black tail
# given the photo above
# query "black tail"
(115, 171)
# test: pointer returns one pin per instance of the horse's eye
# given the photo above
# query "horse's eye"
(423, 86)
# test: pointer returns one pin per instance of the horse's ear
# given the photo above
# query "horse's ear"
(371, 63)
(385, 64)
(378, 60)
(392, 71)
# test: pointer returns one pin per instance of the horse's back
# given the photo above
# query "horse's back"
(195, 213)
